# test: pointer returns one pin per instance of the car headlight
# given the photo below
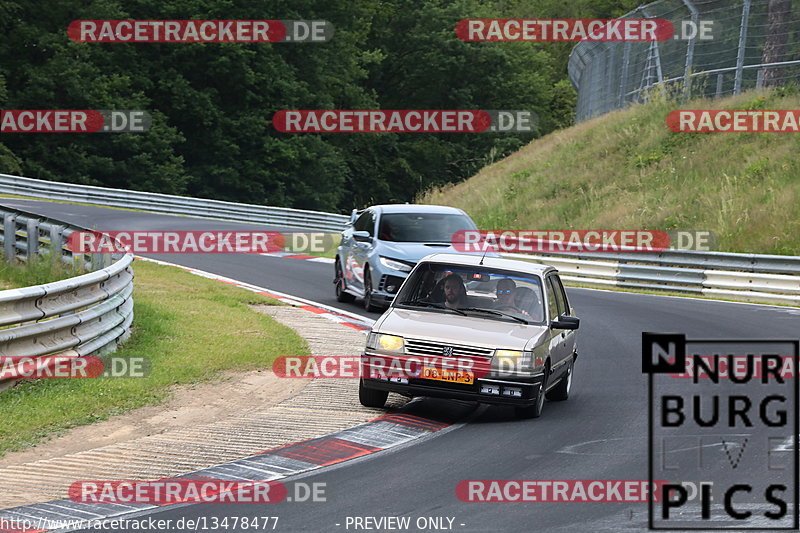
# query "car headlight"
(517, 360)
(389, 343)
(395, 265)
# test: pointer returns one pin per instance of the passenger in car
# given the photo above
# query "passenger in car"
(505, 295)
(527, 301)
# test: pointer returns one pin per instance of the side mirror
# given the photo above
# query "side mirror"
(362, 236)
(566, 322)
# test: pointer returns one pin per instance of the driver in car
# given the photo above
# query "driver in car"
(455, 293)
(505, 295)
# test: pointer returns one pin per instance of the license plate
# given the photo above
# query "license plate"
(449, 375)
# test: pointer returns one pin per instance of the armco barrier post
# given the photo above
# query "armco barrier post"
(9, 236)
(32, 240)
(56, 241)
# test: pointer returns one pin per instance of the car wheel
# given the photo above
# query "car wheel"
(561, 391)
(535, 410)
(369, 304)
(338, 280)
(371, 397)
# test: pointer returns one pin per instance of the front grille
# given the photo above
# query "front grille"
(427, 348)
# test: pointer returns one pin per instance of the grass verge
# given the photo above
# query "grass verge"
(38, 270)
(627, 170)
(191, 329)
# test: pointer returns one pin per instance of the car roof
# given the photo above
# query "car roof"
(492, 262)
(417, 208)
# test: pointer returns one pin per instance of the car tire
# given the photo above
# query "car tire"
(369, 304)
(338, 280)
(561, 391)
(535, 410)
(371, 397)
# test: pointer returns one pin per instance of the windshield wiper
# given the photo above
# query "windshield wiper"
(495, 312)
(417, 303)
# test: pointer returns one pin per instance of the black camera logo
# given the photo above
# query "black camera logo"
(663, 353)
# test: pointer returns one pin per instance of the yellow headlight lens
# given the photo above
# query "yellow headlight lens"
(391, 343)
(509, 360)
(508, 354)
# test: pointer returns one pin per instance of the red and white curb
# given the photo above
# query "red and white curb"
(333, 314)
(387, 431)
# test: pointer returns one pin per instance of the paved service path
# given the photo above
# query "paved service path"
(321, 407)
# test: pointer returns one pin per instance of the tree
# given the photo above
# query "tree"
(777, 39)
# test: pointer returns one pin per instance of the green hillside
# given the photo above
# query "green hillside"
(627, 170)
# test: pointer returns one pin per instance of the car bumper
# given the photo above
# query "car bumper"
(529, 389)
(386, 284)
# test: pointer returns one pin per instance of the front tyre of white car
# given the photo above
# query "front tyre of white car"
(535, 410)
(369, 304)
(371, 397)
(338, 280)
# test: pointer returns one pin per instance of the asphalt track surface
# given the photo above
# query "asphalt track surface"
(599, 433)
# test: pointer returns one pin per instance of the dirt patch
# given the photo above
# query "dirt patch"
(188, 406)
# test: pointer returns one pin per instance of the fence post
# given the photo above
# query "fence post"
(737, 82)
(10, 236)
(32, 229)
(57, 241)
(608, 82)
(626, 59)
(687, 79)
(720, 77)
(656, 55)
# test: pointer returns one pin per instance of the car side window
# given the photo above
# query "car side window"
(558, 289)
(552, 304)
(366, 222)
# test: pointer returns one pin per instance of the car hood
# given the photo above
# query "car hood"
(456, 329)
(414, 251)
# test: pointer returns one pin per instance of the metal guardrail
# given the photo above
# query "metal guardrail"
(747, 277)
(85, 315)
(742, 277)
(172, 205)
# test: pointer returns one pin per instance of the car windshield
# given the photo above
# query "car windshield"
(474, 290)
(422, 227)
